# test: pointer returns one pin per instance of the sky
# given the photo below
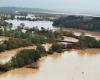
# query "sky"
(77, 6)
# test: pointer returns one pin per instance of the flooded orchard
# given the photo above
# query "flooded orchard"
(70, 65)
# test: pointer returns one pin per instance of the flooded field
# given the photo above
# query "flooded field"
(30, 24)
(70, 65)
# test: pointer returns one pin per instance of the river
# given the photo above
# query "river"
(70, 65)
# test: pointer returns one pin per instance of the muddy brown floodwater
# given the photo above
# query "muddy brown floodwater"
(70, 65)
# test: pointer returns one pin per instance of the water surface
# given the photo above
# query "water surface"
(30, 24)
(70, 65)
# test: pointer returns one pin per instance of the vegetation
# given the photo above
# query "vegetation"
(34, 36)
(57, 48)
(37, 19)
(14, 43)
(37, 39)
(23, 58)
(79, 22)
(41, 49)
(18, 38)
(89, 42)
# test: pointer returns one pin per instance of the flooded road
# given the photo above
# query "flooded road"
(70, 65)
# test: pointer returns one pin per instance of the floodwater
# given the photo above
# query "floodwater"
(7, 55)
(70, 65)
(31, 24)
(71, 39)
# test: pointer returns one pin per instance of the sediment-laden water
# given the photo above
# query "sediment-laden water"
(70, 65)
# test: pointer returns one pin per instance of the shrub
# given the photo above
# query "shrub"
(89, 42)
(57, 48)
(25, 57)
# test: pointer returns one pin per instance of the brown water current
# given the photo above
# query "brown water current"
(70, 65)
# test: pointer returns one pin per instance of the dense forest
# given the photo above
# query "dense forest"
(79, 22)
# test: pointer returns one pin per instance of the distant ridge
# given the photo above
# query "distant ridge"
(14, 9)
(39, 10)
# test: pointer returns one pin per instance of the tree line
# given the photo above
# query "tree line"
(79, 22)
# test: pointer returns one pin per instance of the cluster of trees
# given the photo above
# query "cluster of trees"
(79, 22)
(18, 33)
(37, 39)
(23, 58)
(24, 18)
(18, 38)
(89, 42)
(14, 34)
(27, 56)
(14, 43)
(35, 19)
(30, 56)
(12, 17)
(85, 42)
(51, 36)
(56, 47)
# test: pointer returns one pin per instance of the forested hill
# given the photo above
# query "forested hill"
(79, 22)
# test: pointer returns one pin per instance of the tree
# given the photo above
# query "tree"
(56, 48)
(1, 32)
(22, 25)
(10, 26)
(77, 22)
(38, 39)
(88, 42)
(25, 57)
(40, 49)
(3, 47)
